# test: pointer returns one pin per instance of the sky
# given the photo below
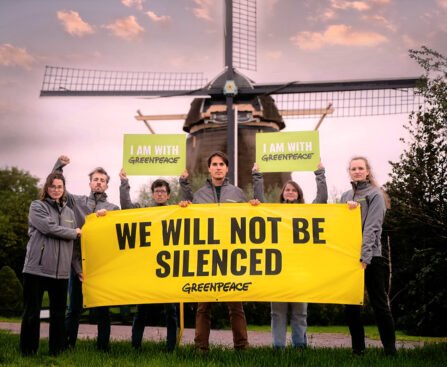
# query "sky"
(314, 40)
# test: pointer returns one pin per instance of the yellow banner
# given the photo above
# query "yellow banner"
(229, 252)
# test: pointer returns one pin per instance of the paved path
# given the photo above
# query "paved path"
(219, 337)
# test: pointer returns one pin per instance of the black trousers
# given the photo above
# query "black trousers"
(143, 314)
(33, 288)
(376, 283)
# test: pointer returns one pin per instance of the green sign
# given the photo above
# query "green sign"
(287, 152)
(154, 155)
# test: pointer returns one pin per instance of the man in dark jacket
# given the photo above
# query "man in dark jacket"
(83, 205)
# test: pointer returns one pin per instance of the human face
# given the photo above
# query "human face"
(160, 195)
(218, 170)
(56, 189)
(358, 170)
(98, 183)
(290, 193)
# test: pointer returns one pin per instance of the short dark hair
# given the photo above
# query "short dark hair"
(49, 181)
(160, 183)
(218, 154)
(101, 171)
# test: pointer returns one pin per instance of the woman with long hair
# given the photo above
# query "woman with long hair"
(372, 200)
(292, 193)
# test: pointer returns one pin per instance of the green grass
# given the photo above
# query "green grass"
(152, 354)
(371, 332)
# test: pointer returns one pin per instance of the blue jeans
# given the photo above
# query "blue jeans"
(298, 323)
(74, 309)
(140, 320)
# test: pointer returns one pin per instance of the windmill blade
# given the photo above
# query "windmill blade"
(333, 86)
(244, 42)
(349, 98)
(61, 81)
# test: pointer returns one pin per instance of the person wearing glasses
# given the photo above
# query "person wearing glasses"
(161, 192)
(49, 256)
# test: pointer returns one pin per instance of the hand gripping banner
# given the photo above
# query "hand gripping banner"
(228, 252)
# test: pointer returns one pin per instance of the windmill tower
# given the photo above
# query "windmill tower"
(228, 111)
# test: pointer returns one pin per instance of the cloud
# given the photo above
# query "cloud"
(157, 18)
(73, 23)
(15, 56)
(381, 21)
(380, 2)
(202, 9)
(126, 28)
(409, 41)
(271, 4)
(347, 4)
(339, 34)
(136, 3)
(274, 55)
(442, 4)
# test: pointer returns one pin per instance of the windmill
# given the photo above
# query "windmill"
(228, 111)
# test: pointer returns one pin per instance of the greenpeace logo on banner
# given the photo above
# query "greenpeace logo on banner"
(154, 155)
(216, 287)
(207, 253)
(286, 152)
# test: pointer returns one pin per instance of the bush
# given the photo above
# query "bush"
(11, 293)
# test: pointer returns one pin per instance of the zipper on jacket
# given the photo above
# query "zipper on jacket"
(59, 247)
(41, 254)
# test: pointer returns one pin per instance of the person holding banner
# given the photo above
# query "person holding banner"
(161, 191)
(49, 255)
(372, 200)
(83, 205)
(292, 193)
(217, 189)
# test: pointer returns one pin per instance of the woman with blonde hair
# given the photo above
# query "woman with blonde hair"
(372, 200)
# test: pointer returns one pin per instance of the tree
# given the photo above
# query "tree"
(417, 221)
(11, 298)
(17, 190)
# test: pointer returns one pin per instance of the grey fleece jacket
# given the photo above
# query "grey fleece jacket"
(83, 205)
(372, 206)
(229, 193)
(52, 230)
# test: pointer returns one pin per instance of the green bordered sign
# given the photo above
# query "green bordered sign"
(154, 155)
(287, 152)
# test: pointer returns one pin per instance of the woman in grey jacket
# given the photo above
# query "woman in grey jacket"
(52, 231)
(292, 193)
(366, 193)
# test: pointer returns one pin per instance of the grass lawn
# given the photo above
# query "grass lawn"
(153, 354)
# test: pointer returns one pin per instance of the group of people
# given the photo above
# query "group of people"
(53, 259)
